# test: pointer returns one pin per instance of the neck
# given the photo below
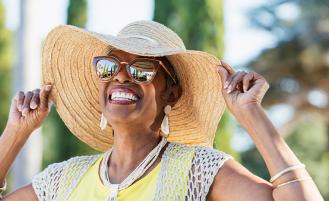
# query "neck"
(131, 145)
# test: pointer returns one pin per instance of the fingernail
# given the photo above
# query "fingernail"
(229, 89)
(48, 87)
(24, 113)
(226, 85)
(33, 106)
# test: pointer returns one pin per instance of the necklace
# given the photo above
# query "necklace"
(133, 176)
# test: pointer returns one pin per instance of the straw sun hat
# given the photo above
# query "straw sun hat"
(67, 65)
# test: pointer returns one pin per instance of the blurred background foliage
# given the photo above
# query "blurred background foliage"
(201, 30)
(5, 68)
(297, 68)
(59, 143)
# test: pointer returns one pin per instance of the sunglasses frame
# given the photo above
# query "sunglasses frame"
(157, 61)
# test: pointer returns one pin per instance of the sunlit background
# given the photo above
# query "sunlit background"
(285, 40)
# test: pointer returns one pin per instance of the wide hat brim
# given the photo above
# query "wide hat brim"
(67, 65)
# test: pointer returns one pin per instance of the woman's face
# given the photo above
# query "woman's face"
(146, 103)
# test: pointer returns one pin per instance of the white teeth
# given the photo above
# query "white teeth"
(123, 96)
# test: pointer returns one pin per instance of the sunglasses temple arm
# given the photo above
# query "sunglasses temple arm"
(165, 68)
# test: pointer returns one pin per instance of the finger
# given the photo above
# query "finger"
(260, 86)
(230, 72)
(44, 97)
(19, 98)
(26, 104)
(229, 80)
(247, 81)
(234, 80)
(35, 99)
(223, 74)
(14, 105)
(227, 67)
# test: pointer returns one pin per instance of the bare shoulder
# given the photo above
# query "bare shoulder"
(235, 182)
(24, 193)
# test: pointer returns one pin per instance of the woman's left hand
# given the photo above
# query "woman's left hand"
(241, 90)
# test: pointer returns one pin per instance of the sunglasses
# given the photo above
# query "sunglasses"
(141, 70)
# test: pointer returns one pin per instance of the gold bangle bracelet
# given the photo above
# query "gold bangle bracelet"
(288, 169)
(3, 186)
(293, 181)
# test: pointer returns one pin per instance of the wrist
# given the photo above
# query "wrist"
(251, 107)
(247, 111)
(16, 132)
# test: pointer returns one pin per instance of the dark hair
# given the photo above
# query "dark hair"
(169, 80)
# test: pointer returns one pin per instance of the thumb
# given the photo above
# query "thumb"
(260, 87)
(14, 105)
(44, 97)
(223, 74)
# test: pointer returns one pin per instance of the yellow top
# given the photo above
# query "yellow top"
(90, 187)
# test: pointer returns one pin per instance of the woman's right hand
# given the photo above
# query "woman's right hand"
(28, 110)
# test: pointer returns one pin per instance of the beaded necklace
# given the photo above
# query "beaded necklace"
(133, 176)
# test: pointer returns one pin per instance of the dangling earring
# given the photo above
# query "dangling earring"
(103, 122)
(165, 122)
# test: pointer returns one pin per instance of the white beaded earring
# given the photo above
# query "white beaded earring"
(103, 122)
(165, 122)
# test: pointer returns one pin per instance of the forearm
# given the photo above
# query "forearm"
(11, 142)
(277, 156)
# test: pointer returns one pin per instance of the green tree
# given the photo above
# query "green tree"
(301, 51)
(201, 26)
(199, 23)
(297, 70)
(308, 140)
(312, 132)
(60, 144)
(77, 13)
(5, 68)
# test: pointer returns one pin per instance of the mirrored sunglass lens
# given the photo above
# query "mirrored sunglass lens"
(142, 71)
(105, 69)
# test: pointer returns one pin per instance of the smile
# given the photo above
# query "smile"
(117, 96)
(123, 96)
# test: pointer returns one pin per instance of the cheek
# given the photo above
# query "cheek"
(153, 100)
(150, 97)
(102, 94)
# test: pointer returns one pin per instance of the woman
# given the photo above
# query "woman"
(150, 90)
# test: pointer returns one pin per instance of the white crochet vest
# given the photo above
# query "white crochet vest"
(175, 180)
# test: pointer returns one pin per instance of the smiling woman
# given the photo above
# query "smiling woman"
(152, 107)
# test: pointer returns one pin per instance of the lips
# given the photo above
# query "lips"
(123, 95)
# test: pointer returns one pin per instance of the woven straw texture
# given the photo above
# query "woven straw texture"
(67, 65)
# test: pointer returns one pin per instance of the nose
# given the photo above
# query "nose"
(122, 76)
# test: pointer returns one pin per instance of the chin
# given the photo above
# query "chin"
(122, 115)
